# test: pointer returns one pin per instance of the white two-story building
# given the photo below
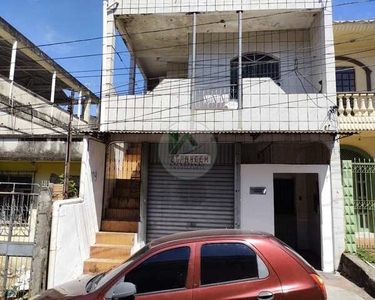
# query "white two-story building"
(232, 124)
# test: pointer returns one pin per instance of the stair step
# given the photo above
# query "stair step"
(133, 150)
(122, 214)
(119, 226)
(128, 183)
(115, 238)
(99, 265)
(126, 193)
(110, 251)
(123, 203)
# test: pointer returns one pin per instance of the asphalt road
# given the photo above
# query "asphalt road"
(340, 288)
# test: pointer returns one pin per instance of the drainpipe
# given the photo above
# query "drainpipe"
(54, 231)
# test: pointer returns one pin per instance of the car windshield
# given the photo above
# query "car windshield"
(101, 279)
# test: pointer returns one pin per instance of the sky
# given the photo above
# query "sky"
(50, 21)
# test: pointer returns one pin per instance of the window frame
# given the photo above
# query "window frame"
(197, 274)
(337, 68)
(189, 276)
(248, 60)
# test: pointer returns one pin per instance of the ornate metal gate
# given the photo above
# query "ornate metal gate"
(359, 197)
(18, 216)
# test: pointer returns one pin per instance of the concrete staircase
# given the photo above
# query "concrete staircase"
(122, 213)
(110, 250)
(120, 221)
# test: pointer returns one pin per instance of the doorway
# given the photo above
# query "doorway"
(297, 214)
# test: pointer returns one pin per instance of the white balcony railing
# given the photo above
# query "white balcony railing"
(206, 97)
(356, 111)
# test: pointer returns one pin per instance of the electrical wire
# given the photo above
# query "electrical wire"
(350, 3)
(182, 27)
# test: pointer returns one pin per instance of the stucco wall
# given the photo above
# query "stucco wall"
(38, 150)
(257, 211)
(364, 141)
(79, 223)
(42, 170)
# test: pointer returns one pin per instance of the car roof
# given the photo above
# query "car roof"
(205, 234)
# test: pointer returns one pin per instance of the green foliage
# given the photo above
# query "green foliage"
(72, 188)
(365, 255)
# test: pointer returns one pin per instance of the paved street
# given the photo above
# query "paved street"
(340, 288)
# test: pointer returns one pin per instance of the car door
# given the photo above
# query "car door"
(166, 274)
(233, 270)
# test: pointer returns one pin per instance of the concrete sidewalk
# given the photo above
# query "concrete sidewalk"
(338, 287)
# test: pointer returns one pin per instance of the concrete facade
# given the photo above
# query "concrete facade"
(257, 211)
(300, 100)
(185, 53)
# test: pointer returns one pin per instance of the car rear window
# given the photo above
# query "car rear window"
(303, 262)
(226, 262)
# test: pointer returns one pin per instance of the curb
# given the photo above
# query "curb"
(358, 271)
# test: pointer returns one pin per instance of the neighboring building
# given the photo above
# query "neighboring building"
(236, 127)
(355, 82)
(34, 94)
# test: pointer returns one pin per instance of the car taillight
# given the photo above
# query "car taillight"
(319, 282)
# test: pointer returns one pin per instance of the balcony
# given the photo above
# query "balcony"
(356, 112)
(32, 113)
(172, 106)
(197, 86)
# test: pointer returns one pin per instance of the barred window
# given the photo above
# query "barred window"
(254, 65)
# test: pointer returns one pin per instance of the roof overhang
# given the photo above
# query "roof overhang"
(353, 35)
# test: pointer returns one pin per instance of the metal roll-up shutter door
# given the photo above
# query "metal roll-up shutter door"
(176, 205)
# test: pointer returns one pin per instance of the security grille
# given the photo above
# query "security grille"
(18, 215)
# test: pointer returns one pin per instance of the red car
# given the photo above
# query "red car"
(204, 265)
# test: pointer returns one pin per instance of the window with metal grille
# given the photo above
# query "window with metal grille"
(345, 79)
(15, 198)
(254, 65)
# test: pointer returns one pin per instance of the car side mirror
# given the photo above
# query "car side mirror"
(124, 290)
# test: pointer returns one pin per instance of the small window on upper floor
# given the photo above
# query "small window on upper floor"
(254, 65)
(345, 79)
